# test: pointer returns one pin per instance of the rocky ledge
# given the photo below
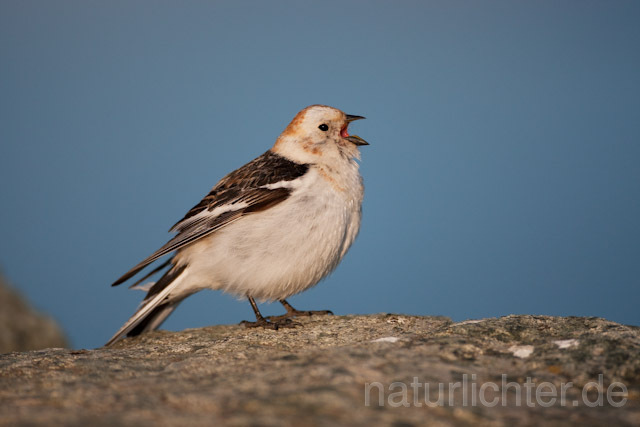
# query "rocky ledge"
(382, 369)
(22, 327)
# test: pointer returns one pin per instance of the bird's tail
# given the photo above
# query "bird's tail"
(155, 307)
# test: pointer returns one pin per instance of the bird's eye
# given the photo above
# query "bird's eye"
(323, 127)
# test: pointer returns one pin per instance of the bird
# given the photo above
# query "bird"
(271, 229)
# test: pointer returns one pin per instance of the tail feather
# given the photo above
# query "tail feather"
(154, 308)
(152, 272)
(154, 319)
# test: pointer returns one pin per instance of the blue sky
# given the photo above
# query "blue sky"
(502, 177)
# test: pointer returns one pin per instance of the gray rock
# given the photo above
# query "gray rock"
(22, 328)
(319, 374)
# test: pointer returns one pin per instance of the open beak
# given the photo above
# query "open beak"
(355, 139)
(351, 118)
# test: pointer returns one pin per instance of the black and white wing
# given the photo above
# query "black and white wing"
(252, 188)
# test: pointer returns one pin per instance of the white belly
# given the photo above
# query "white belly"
(279, 252)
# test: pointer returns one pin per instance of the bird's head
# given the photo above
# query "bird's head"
(319, 134)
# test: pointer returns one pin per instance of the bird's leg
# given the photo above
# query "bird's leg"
(264, 323)
(292, 312)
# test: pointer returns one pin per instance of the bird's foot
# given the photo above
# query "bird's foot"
(270, 324)
(298, 313)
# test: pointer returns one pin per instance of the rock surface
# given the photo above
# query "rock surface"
(22, 328)
(319, 373)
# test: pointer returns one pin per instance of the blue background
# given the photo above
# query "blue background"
(503, 174)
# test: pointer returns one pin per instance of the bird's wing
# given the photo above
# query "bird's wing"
(258, 185)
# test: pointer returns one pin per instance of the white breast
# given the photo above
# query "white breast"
(283, 250)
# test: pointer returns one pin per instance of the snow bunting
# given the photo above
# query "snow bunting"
(269, 230)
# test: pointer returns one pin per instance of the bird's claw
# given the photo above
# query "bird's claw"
(270, 324)
(299, 313)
